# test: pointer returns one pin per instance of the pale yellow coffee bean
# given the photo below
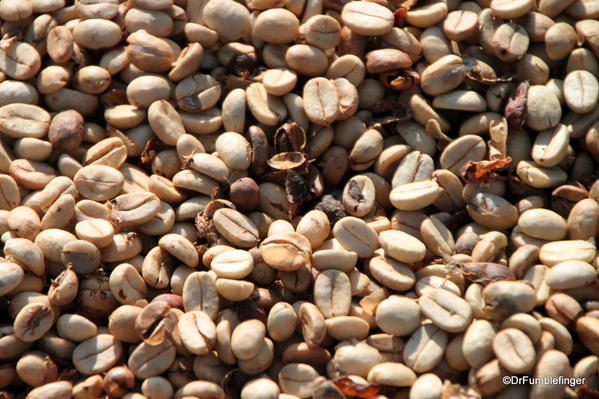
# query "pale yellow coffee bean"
(402, 246)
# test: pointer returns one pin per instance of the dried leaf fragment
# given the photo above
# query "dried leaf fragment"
(584, 392)
(287, 160)
(403, 79)
(498, 144)
(290, 137)
(350, 388)
(515, 109)
(150, 151)
(481, 174)
(401, 16)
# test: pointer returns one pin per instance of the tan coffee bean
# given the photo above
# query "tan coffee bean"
(197, 92)
(402, 246)
(543, 107)
(110, 151)
(282, 321)
(99, 182)
(235, 227)
(492, 211)
(562, 308)
(427, 15)
(385, 60)
(63, 289)
(33, 321)
(391, 273)
(448, 311)
(321, 101)
(122, 247)
(392, 373)
(24, 222)
(586, 327)
(306, 60)
(11, 276)
(26, 253)
(415, 196)
(458, 153)
(477, 342)
(199, 293)
(230, 26)
(581, 91)
(514, 350)
(332, 293)
(234, 290)
(126, 284)
(355, 235)
(148, 361)
(121, 323)
(97, 231)
(145, 90)
(540, 177)
(158, 387)
(298, 379)
(511, 10)
(30, 174)
(134, 209)
(398, 315)
(414, 167)
(550, 146)
(504, 298)
(510, 42)
(286, 252)
(278, 26)
(560, 251)
(425, 348)
(560, 40)
(200, 388)
(366, 149)
(443, 75)
(35, 370)
(312, 324)
(368, 19)
(332, 255)
(58, 390)
(165, 122)
(347, 66)
(157, 267)
(552, 363)
(11, 197)
(246, 339)
(180, 248)
(356, 358)
(85, 33)
(235, 264)
(19, 60)
(75, 327)
(148, 52)
(234, 150)
(543, 223)
(66, 130)
(570, 274)
(315, 226)
(359, 196)
(198, 332)
(460, 25)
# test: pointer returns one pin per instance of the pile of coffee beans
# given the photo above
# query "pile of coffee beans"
(288, 199)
